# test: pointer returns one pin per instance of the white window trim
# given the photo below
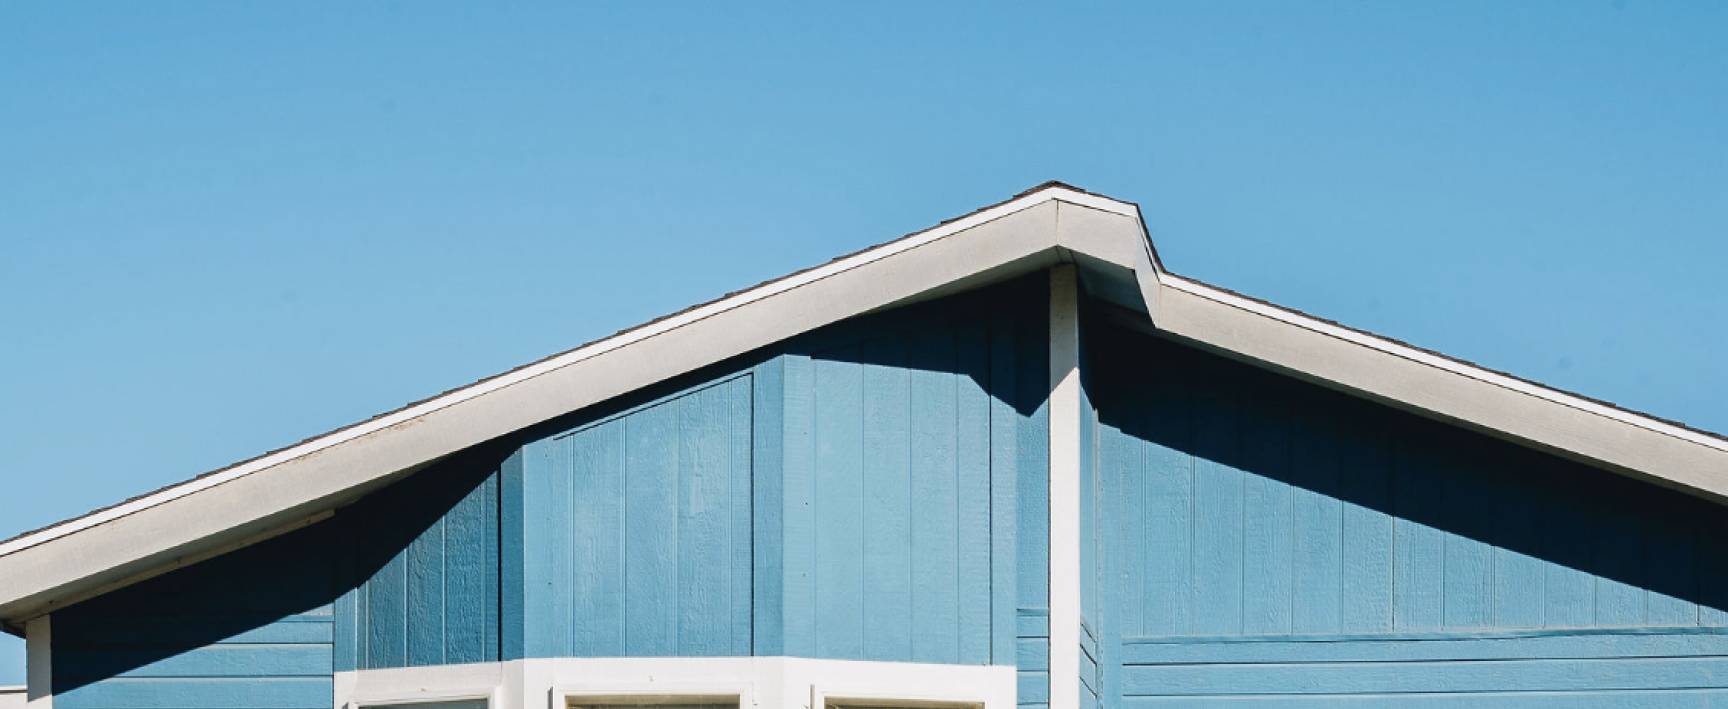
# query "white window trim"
(878, 697)
(906, 684)
(755, 682)
(415, 685)
(489, 696)
(627, 694)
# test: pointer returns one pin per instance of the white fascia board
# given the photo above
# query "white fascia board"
(129, 539)
(1433, 360)
(1392, 372)
(1031, 231)
(1445, 389)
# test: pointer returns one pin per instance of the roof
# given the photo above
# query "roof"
(1049, 224)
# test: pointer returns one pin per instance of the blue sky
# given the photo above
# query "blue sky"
(228, 226)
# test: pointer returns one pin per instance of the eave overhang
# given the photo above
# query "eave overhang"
(1104, 237)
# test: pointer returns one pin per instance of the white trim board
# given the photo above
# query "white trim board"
(1105, 238)
(1439, 362)
(622, 339)
(757, 682)
(1064, 482)
(39, 662)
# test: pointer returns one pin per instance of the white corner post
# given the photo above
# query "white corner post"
(1064, 488)
(39, 663)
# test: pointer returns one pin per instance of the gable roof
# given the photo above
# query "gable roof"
(1049, 224)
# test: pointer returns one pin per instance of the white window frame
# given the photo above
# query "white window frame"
(628, 694)
(920, 698)
(397, 686)
(396, 699)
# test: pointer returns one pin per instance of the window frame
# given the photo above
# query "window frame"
(388, 700)
(631, 694)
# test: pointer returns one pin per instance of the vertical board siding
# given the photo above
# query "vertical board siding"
(894, 435)
(422, 561)
(1260, 512)
(874, 490)
(1287, 509)
(908, 439)
(1030, 396)
(638, 530)
(254, 628)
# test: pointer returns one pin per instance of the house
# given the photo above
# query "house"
(1008, 460)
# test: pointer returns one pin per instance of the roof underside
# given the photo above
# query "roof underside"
(1053, 223)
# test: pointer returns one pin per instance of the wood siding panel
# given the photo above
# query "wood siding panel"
(1285, 545)
(422, 565)
(644, 548)
(910, 439)
(254, 629)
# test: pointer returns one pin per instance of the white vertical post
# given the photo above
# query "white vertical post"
(1064, 488)
(39, 663)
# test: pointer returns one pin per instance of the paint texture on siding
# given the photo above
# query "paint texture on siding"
(422, 563)
(906, 439)
(637, 536)
(250, 629)
(1273, 542)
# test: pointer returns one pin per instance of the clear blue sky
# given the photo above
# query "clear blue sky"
(228, 226)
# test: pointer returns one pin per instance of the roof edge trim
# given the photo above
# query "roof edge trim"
(1431, 359)
(1048, 192)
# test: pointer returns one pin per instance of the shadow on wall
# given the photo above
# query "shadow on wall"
(903, 429)
(266, 611)
(1252, 503)
(907, 412)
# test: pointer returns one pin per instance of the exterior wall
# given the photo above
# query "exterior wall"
(1272, 543)
(1021, 353)
(420, 569)
(253, 628)
(907, 441)
(876, 490)
(637, 530)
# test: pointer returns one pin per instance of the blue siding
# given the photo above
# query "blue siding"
(1609, 669)
(637, 530)
(905, 440)
(251, 629)
(876, 489)
(423, 559)
(1281, 544)
(1031, 459)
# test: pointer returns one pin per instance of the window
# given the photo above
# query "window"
(880, 703)
(477, 699)
(453, 704)
(654, 702)
(650, 700)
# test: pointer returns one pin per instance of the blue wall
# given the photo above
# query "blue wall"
(420, 563)
(637, 530)
(906, 443)
(253, 628)
(1271, 542)
(871, 490)
(877, 490)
